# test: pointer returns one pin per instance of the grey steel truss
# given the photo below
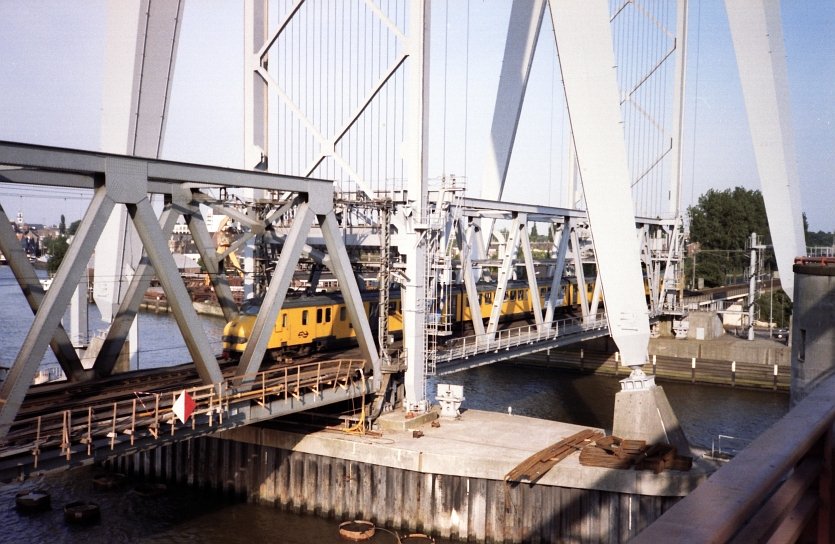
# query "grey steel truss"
(128, 181)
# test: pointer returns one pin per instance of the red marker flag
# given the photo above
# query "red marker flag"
(183, 407)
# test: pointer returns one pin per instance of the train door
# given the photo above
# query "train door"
(282, 329)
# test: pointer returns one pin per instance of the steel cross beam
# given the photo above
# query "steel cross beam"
(505, 270)
(206, 248)
(117, 179)
(129, 306)
(561, 239)
(23, 371)
(26, 277)
(467, 237)
(256, 346)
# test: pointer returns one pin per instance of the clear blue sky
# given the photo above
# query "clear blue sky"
(50, 93)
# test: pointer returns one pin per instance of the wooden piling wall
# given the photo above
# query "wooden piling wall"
(772, 376)
(453, 507)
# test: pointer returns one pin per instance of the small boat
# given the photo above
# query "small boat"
(81, 512)
(356, 530)
(33, 500)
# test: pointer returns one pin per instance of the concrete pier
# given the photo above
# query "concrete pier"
(448, 482)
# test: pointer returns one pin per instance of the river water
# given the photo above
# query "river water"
(185, 515)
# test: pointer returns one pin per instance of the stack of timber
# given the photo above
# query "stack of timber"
(535, 466)
(615, 452)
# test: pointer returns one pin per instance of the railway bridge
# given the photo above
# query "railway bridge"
(338, 146)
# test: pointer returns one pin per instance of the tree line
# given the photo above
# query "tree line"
(721, 224)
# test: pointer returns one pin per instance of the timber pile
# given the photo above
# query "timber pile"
(533, 468)
(615, 452)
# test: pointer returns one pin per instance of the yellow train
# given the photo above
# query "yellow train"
(320, 322)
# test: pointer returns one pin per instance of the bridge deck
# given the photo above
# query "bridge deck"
(84, 429)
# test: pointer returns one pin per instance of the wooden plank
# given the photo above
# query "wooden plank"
(477, 513)
(311, 496)
(535, 466)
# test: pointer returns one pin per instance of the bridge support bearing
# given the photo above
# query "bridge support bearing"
(642, 412)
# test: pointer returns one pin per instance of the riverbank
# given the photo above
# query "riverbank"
(727, 360)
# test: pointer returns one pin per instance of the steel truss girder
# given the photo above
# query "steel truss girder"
(339, 264)
(33, 290)
(561, 239)
(57, 298)
(129, 306)
(116, 179)
(466, 238)
(505, 270)
(208, 253)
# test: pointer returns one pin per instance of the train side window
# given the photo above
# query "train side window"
(523, 294)
(284, 320)
(392, 308)
(327, 315)
(318, 315)
(513, 295)
(304, 317)
(342, 313)
(479, 299)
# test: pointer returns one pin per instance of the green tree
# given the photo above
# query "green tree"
(722, 223)
(777, 306)
(816, 239)
(56, 248)
(73, 227)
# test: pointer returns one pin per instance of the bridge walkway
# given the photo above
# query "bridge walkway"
(82, 429)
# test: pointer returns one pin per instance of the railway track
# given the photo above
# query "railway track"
(82, 419)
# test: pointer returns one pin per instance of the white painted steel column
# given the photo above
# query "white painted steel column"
(533, 285)
(411, 243)
(757, 34)
(676, 168)
(561, 248)
(584, 42)
(505, 271)
(139, 66)
(522, 35)
(468, 238)
(78, 314)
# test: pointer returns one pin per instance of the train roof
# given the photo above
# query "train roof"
(297, 299)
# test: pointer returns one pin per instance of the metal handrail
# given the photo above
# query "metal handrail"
(777, 488)
(147, 413)
(476, 344)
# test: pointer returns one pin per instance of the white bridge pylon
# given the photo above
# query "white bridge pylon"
(308, 113)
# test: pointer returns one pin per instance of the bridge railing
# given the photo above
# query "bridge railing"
(468, 346)
(142, 414)
(778, 489)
